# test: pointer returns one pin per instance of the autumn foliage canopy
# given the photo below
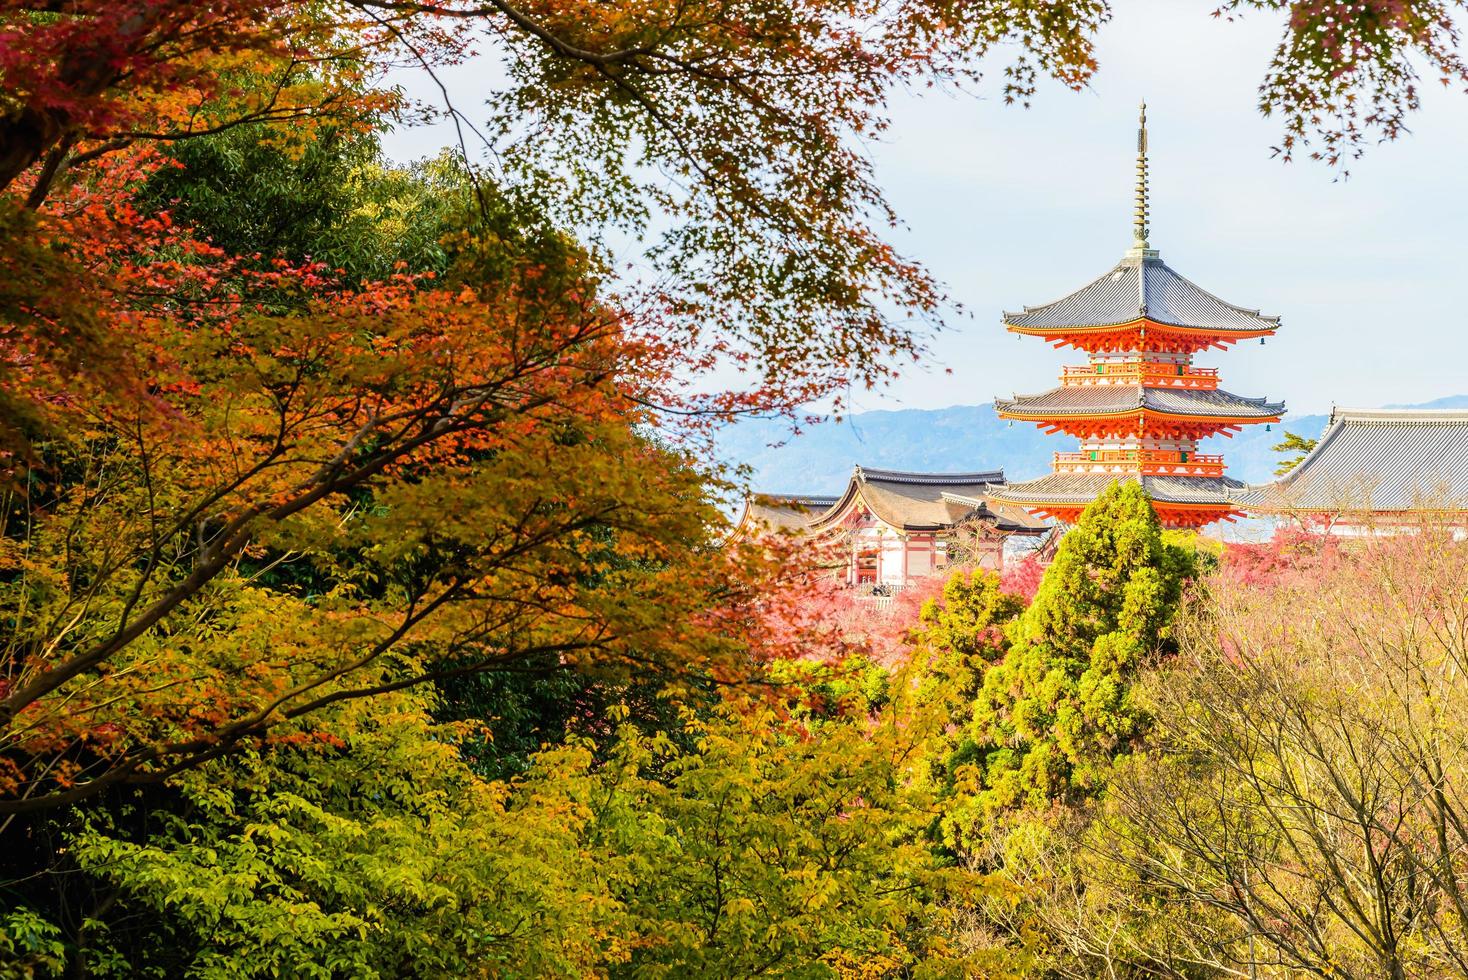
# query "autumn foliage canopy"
(359, 538)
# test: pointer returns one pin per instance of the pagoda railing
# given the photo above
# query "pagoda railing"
(1150, 374)
(1153, 462)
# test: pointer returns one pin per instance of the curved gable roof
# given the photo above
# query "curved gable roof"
(910, 505)
(785, 511)
(900, 498)
(913, 501)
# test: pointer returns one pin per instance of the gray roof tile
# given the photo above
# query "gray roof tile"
(1376, 460)
(786, 510)
(1142, 286)
(1115, 399)
(1071, 488)
(915, 501)
(932, 479)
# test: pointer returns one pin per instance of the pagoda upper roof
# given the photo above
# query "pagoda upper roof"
(1141, 287)
(1082, 488)
(1376, 461)
(1108, 400)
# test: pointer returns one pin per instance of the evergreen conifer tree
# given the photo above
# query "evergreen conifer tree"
(1055, 713)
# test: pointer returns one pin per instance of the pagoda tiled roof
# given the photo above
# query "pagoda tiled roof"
(1141, 286)
(1376, 461)
(1080, 400)
(1082, 488)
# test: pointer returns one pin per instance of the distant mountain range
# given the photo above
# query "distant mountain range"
(959, 439)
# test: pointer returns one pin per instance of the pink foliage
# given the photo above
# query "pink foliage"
(1292, 549)
(832, 620)
(885, 631)
(1334, 589)
(1022, 578)
(1355, 603)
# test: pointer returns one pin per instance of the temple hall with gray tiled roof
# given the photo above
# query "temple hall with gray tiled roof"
(1384, 462)
(891, 526)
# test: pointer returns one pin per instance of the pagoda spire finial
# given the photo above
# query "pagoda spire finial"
(1139, 220)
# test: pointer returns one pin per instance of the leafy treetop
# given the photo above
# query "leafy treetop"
(1294, 448)
(1057, 710)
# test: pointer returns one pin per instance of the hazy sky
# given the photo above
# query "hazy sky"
(1012, 207)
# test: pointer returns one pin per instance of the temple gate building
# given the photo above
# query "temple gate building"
(1140, 404)
(889, 527)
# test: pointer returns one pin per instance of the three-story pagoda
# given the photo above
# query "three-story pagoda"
(1140, 406)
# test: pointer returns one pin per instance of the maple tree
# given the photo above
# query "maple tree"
(299, 446)
(340, 491)
(1345, 72)
(439, 469)
(745, 172)
(381, 855)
